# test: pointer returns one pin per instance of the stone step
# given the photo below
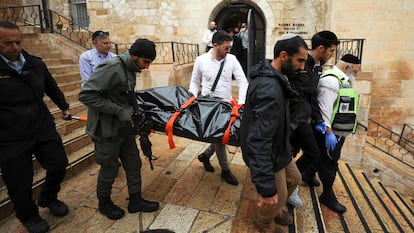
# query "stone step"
(62, 69)
(404, 205)
(75, 109)
(67, 77)
(308, 216)
(369, 202)
(73, 86)
(70, 96)
(57, 61)
(64, 127)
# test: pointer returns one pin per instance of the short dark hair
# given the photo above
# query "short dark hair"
(220, 36)
(324, 38)
(8, 25)
(290, 45)
(99, 34)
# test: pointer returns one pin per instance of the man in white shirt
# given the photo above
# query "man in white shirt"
(208, 35)
(345, 69)
(89, 60)
(205, 71)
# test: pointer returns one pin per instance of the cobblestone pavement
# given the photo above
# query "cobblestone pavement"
(191, 199)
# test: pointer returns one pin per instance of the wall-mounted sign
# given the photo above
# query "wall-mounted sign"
(293, 28)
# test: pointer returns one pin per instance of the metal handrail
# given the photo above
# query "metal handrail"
(176, 53)
(407, 137)
(351, 46)
(23, 15)
(170, 52)
(389, 142)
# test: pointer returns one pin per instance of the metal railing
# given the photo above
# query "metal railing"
(407, 138)
(64, 26)
(23, 15)
(352, 46)
(167, 52)
(391, 143)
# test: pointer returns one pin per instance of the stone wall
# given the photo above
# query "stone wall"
(388, 53)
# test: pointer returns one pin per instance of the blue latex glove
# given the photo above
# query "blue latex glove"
(321, 127)
(330, 141)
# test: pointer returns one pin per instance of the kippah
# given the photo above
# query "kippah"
(350, 59)
(287, 36)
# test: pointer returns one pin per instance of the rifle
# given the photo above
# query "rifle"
(141, 126)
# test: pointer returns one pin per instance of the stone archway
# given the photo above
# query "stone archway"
(229, 15)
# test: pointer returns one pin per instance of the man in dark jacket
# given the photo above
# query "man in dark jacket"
(308, 115)
(27, 128)
(265, 131)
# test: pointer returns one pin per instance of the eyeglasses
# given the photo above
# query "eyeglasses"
(99, 34)
(225, 47)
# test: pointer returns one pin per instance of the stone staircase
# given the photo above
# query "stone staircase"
(179, 180)
(77, 144)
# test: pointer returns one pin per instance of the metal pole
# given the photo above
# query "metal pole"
(45, 12)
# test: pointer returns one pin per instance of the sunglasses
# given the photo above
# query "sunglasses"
(99, 35)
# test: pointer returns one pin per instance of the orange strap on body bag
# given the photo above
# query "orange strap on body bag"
(234, 115)
(170, 124)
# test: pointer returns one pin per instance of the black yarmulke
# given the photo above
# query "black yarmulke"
(350, 59)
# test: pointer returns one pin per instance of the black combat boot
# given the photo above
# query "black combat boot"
(36, 224)
(229, 177)
(206, 162)
(137, 203)
(109, 209)
(329, 200)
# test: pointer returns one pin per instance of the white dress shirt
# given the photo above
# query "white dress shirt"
(208, 35)
(328, 89)
(205, 71)
(89, 60)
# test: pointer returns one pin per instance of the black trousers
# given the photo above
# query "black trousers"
(328, 162)
(303, 138)
(17, 170)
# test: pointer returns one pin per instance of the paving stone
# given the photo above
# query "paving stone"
(175, 169)
(205, 193)
(211, 223)
(191, 151)
(176, 218)
(249, 191)
(82, 219)
(132, 222)
(238, 158)
(227, 199)
(159, 188)
(183, 189)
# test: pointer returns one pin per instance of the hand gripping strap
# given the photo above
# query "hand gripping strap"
(234, 115)
(170, 124)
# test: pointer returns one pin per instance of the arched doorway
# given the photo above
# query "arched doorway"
(230, 15)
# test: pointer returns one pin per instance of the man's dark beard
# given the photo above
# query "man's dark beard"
(288, 69)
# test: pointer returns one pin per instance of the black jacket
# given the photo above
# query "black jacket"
(305, 108)
(264, 131)
(23, 114)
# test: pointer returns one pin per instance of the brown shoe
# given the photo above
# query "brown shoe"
(284, 218)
